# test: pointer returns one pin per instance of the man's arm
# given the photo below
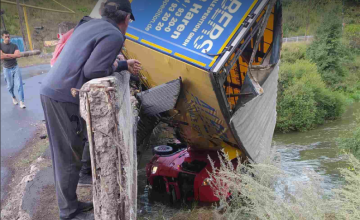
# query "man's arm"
(100, 62)
(5, 56)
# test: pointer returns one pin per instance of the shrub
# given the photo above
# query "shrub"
(347, 199)
(351, 143)
(292, 52)
(352, 34)
(303, 99)
(296, 109)
(352, 80)
(327, 51)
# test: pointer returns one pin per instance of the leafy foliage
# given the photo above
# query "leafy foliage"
(293, 51)
(352, 34)
(351, 143)
(303, 99)
(326, 50)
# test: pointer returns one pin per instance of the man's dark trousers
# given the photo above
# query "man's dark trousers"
(66, 137)
(86, 160)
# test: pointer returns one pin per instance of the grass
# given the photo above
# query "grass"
(33, 60)
(302, 16)
(162, 212)
(351, 142)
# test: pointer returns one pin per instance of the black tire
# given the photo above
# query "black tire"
(172, 196)
(163, 150)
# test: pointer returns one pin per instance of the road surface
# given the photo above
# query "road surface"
(18, 125)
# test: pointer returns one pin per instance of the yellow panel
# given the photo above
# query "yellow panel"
(243, 69)
(262, 13)
(268, 36)
(231, 151)
(197, 104)
(270, 24)
(266, 47)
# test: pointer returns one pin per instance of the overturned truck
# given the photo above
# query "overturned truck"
(210, 69)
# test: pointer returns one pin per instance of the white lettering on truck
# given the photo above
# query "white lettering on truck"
(189, 15)
(217, 28)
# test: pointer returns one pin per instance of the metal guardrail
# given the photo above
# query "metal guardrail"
(298, 39)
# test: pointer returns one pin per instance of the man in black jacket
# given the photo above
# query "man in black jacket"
(90, 53)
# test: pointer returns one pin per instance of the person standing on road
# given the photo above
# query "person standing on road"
(89, 53)
(12, 74)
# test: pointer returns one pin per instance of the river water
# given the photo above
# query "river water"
(314, 150)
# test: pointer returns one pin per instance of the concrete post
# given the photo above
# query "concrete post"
(111, 118)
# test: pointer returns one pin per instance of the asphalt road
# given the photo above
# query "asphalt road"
(18, 125)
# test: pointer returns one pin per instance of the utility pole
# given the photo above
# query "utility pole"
(21, 23)
(2, 18)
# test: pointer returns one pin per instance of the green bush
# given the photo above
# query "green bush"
(327, 51)
(352, 34)
(292, 52)
(296, 109)
(352, 80)
(351, 143)
(303, 99)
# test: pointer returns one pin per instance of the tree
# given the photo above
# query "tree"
(326, 50)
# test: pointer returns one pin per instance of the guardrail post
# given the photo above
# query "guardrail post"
(111, 121)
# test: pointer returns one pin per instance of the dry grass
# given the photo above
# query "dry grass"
(33, 60)
(162, 212)
(349, 195)
(262, 191)
(201, 213)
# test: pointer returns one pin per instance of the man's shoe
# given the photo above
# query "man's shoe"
(81, 216)
(85, 206)
(85, 180)
(22, 105)
(82, 211)
(15, 102)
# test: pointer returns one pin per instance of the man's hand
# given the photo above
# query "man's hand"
(134, 66)
(120, 57)
(116, 64)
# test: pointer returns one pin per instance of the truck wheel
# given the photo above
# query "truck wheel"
(172, 196)
(163, 150)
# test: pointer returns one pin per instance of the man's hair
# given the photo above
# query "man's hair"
(110, 12)
(4, 32)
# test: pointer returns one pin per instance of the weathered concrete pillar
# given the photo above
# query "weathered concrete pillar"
(112, 140)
